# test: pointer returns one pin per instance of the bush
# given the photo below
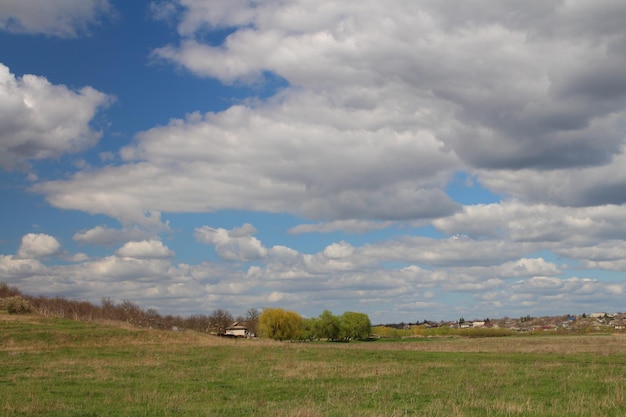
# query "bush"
(15, 305)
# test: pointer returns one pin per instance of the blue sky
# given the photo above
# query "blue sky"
(413, 160)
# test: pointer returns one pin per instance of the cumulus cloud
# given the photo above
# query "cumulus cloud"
(377, 109)
(61, 18)
(338, 276)
(605, 255)
(511, 92)
(236, 244)
(240, 159)
(584, 187)
(349, 226)
(40, 120)
(145, 249)
(339, 250)
(12, 267)
(540, 223)
(38, 245)
(380, 106)
(454, 251)
(102, 235)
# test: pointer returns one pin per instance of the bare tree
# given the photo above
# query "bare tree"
(252, 320)
(219, 320)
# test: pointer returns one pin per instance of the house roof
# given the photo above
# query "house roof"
(237, 326)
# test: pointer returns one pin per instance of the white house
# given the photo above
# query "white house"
(238, 330)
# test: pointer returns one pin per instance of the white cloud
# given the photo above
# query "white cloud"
(528, 267)
(145, 249)
(340, 277)
(237, 244)
(377, 108)
(541, 223)
(508, 92)
(349, 226)
(38, 245)
(382, 105)
(103, 235)
(479, 275)
(139, 269)
(40, 120)
(446, 252)
(12, 267)
(603, 252)
(240, 159)
(62, 18)
(339, 250)
(612, 265)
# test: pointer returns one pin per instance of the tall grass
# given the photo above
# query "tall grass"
(54, 367)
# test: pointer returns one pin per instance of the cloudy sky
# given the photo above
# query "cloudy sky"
(410, 159)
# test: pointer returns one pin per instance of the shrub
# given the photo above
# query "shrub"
(15, 305)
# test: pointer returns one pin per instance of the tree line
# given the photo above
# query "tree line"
(273, 323)
(15, 302)
(279, 324)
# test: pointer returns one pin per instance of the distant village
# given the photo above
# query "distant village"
(598, 321)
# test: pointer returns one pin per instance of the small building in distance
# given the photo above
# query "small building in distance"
(238, 330)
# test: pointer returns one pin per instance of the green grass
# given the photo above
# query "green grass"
(66, 368)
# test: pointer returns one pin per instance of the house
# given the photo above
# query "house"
(238, 330)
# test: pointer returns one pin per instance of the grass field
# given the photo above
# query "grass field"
(52, 367)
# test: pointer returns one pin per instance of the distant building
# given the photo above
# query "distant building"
(238, 330)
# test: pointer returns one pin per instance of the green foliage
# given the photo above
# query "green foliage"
(280, 324)
(328, 326)
(309, 329)
(355, 325)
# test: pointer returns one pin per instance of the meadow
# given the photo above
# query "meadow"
(59, 367)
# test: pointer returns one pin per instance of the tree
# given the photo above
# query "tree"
(328, 326)
(309, 329)
(7, 291)
(280, 324)
(355, 325)
(219, 320)
(252, 319)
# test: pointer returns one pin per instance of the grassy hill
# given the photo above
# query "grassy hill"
(58, 367)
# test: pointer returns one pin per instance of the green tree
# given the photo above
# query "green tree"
(280, 324)
(309, 329)
(355, 325)
(328, 326)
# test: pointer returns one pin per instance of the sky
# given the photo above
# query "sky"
(408, 159)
